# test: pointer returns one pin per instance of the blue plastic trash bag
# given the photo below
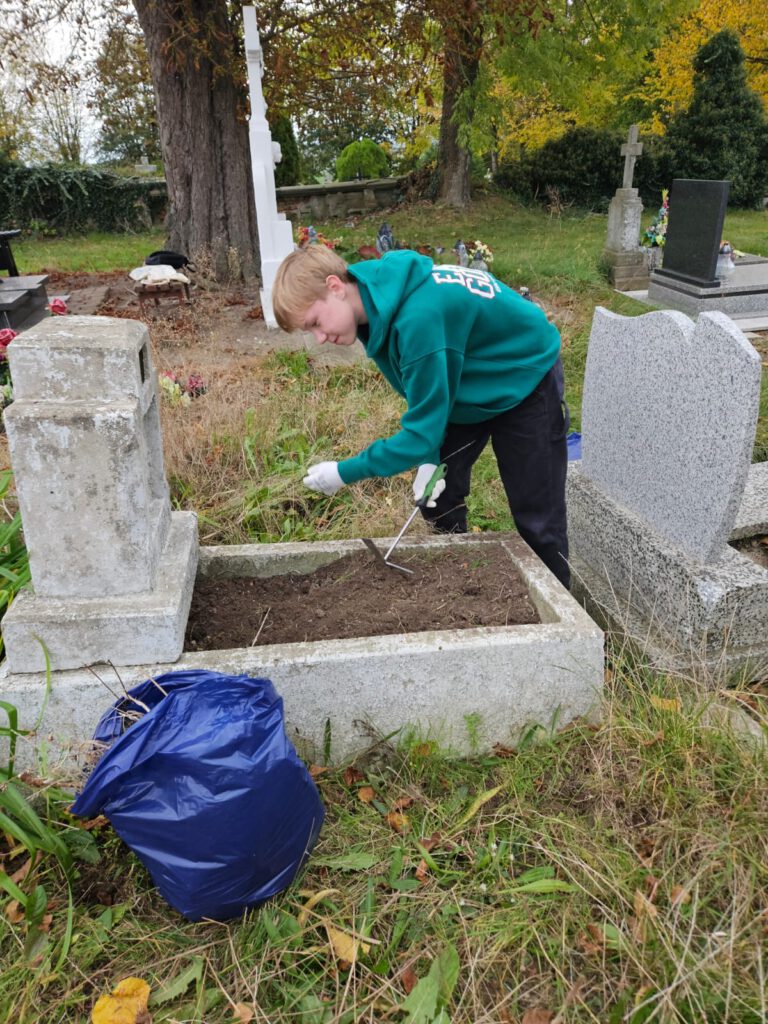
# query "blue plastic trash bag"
(207, 790)
(573, 441)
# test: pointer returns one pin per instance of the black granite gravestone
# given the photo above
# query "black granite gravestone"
(694, 231)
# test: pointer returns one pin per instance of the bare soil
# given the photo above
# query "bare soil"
(755, 548)
(356, 596)
(223, 326)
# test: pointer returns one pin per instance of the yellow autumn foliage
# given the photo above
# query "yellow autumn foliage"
(669, 87)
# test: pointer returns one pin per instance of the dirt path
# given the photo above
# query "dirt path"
(224, 327)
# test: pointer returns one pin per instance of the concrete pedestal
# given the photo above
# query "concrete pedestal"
(628, 268)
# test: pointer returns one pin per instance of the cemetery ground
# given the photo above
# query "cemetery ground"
(603, 872)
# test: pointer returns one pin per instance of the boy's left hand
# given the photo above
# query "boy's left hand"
(324, 477)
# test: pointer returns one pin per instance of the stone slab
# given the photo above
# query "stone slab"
(705, 620)
(430, 683)
(757, 321)
(752, 517)
(743, 292)
(653, 388)
(126, 630)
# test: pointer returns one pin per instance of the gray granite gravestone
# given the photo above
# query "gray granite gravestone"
(694, 232)
(668, 423)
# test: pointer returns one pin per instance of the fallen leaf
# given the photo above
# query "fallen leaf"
(126, 1004)
(14, 911)
(352, 775)
(652, 885)
(477, 803)
(45, 924)
(679, 896)
(503, 752)
(656, 738)
(32, 780)
(587, 946)
(434, 840)
(643, 906)
(98, 822)
(243, 1013)
(21, 873)
(366, 794)
(346, 947)
(314, 899)
(537, 1015)
(316, 770)
(409, 977)
(403, 803)
(399, 822)
(422, 871)
(665, 704)
(423, 749)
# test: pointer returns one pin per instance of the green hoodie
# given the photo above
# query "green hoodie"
(457, 344)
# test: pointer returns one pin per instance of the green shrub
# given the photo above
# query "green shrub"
(364, 159)
(724, 132)
(288, 171)
(60, 200)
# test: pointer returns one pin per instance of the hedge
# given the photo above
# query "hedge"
(585, 167)
(61, 200)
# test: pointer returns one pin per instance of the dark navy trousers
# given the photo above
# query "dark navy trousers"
(531, 453)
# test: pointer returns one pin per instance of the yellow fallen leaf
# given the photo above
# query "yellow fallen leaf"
(346, 947)
(366, 794)
(314, 899)
(399, 822)
(244, 1013)
(665, 704)
(14, 911)
(679, 896)
(477, 804)
(126, 1004)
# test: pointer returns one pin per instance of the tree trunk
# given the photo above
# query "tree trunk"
(190, 45)
(461, 60)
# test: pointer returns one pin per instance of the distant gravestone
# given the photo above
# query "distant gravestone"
(622, 251)
(653, 389)
(694, 232)
(145, 167)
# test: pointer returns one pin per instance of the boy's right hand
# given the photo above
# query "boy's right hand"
(422, 478)
(324, 477)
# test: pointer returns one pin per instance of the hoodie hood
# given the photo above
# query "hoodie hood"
(384, 285)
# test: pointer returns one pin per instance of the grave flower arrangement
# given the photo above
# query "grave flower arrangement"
(479, 252)
(6, 390)
(177, 392)
(656, 235)
(309, 236)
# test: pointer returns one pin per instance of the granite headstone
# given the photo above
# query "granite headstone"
(668, 422)
(694, 231)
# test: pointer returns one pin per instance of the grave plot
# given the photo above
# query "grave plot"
(113, 573)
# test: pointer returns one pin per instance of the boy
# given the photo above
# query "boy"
(474, 361)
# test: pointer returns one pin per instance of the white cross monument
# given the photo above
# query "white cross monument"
(275, 232)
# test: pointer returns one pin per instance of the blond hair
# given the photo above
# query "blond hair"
(301, 280)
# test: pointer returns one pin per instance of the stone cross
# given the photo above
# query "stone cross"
(275, 232)
(654, 385)
(630, 150)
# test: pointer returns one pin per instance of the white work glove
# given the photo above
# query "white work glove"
(324, 477)
(422, 478)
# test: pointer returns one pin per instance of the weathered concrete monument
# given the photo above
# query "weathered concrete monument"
(668, 423)
(623, 254)
(113, 569)
(112, 566)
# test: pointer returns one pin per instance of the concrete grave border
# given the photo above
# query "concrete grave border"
(466, 689)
